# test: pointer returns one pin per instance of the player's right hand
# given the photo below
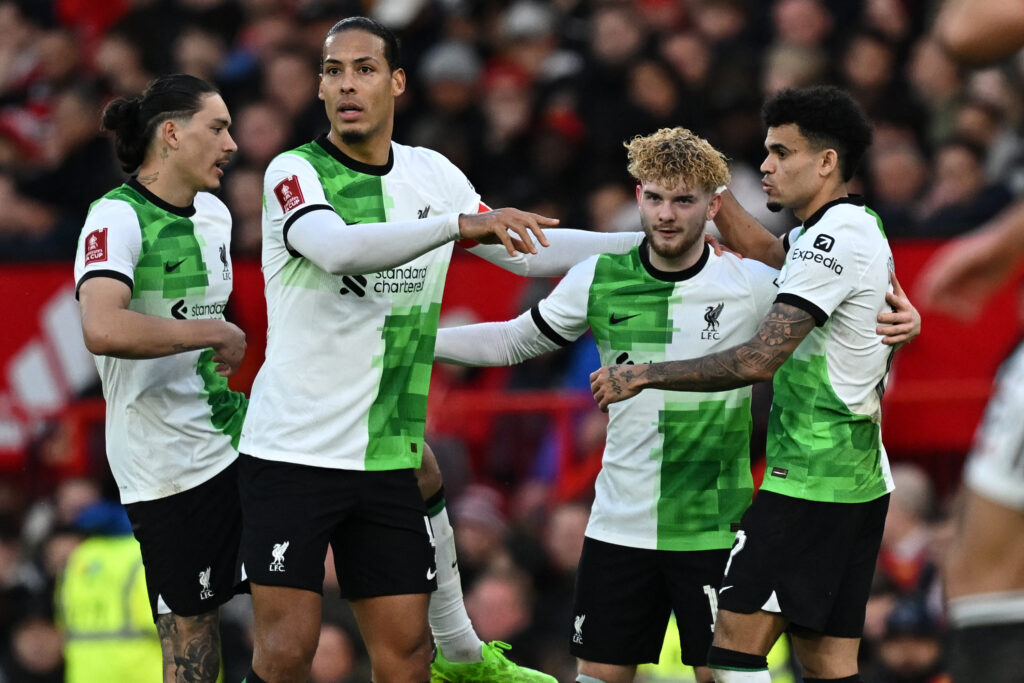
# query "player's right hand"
(229, 352)
(514, 228)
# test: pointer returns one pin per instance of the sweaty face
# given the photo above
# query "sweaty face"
(791, 168)
(673, 221)
(358, 87)
(205, 144)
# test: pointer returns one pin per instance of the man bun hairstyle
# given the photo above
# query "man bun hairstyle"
(828, 117)
(134, 120)
(673, 154)
(392, 49)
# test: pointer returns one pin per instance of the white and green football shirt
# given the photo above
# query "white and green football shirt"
(349, 357)
(824, 433)
(675, 473)
(171, 422)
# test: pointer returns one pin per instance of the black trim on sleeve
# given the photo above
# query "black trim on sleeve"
(113, 274)
(820, 317)
(358, 166)
(546, 329)
(183, 211)
(294, 217)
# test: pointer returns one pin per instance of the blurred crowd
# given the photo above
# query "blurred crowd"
(532, 100)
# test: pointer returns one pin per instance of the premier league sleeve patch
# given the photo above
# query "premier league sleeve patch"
(289, 194)
(96, 246)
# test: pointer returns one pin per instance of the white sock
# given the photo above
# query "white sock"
(449, 622)
(729, 676)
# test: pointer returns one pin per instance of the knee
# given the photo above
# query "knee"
(403, 664)
(283, 654)
(191, 645)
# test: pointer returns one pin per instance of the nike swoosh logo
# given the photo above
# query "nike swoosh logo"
(171, 267)
(612, 320)
(431, 573)
(723, 589)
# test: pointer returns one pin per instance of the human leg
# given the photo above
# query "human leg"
(825, 657)
(461, 654)
(190, 646)
(397, 637)
(607, 673)
(286, 629)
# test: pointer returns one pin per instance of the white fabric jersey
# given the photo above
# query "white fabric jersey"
(824, 434)
(170, 421)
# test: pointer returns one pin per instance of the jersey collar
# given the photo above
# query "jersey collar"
(671, 275)
(357, 166)
(183, 211)
(854, 199)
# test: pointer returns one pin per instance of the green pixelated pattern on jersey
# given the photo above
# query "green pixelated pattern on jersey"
(399, 412)
(827, 452)
(171, 260)
(227, 407)
(627, 309)
(398, 415)
(705, 488)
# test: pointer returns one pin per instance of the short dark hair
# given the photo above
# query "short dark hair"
(828, 117)
(392, 50)
(133, 120)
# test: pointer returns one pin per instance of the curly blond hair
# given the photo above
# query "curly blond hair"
(675, 154)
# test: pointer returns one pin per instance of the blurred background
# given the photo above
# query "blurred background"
(532, 100)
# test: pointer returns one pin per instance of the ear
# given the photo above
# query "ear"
(397, 82)
(320, 86)
(639, 191)
(169, 131)
(829, 162)
(714, 205)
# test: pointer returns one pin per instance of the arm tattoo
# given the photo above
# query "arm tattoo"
(753, 361)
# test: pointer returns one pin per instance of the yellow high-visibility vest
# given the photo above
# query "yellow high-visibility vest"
(670, 670)
(103, 610)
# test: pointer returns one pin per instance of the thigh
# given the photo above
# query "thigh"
(397, 636)
(846, 620)
(621, 605)
(289, 512)
(285, 619)
(693, 578)
(385, 547)
(190, 545)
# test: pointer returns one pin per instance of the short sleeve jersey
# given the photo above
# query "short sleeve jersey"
(349, 357)
(824, 432)
(676, 466)
(171, 422)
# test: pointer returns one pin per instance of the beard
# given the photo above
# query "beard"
(352, 137)
(775, 207)
(673, 251)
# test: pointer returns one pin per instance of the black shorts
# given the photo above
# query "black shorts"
(990, 653)
(813, 562)
(190, 546)
(376, 522)
(624, 597)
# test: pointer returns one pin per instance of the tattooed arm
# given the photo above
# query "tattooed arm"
(756, 360)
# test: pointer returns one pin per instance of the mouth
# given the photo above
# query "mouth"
(349, 111)
(219, 166)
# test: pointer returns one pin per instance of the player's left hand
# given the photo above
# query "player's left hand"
(614, 383)
(904, 323)
(718, 247)
(513, 228)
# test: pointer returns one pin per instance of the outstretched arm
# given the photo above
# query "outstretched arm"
(488, 344)
(566, 248)
(745, 234)
(965, 272)
(756, 360)
(981, 31)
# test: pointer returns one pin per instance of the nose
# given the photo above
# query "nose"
(230, 145)
(767, 166)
